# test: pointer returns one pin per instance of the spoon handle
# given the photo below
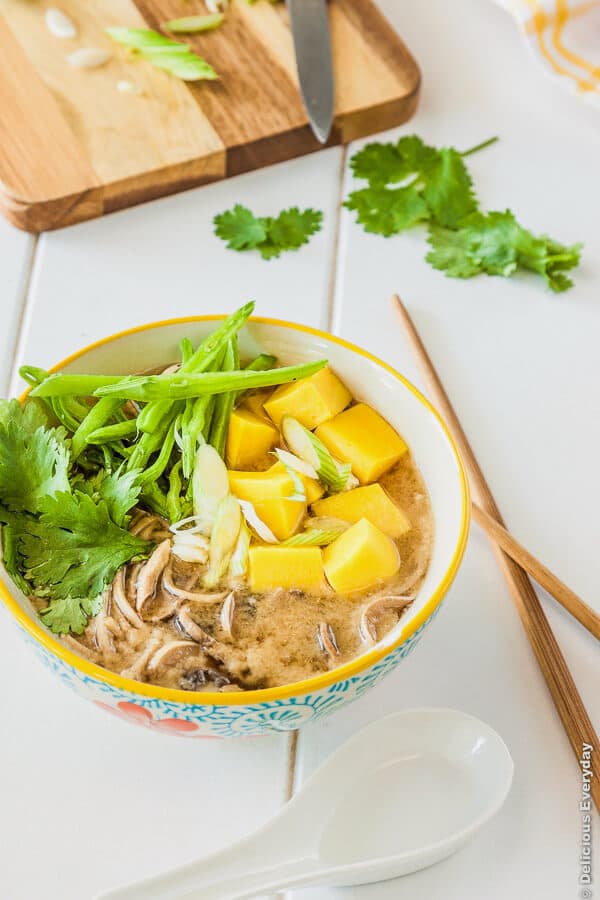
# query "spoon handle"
(250, 868)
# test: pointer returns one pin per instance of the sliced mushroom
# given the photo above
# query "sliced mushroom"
(79, 647)
(151, 572)
(107, 600)
(139, 523)
(120, 600)
(367, 626)
(138, 667)
(170, 653)
(226, 615)
(131, 409)
(192, 628)
(103, 635)
(196, 679)
(149, 527)
(327, 640)
(156, 530)
(112, 626)
(160, 607)
(131, 576)
(195, 596)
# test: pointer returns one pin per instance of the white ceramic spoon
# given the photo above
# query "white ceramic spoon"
(403, 793)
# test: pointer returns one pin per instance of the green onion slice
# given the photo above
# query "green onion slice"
(314, 537)
(223, 538)
(210, 485)
(256, 523)
(238, 565)
(334, 475)
(194, 24)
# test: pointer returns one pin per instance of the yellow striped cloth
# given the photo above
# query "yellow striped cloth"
(565, 38)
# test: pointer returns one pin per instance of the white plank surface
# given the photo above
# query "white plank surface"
(162, 260)
(522, 367)
(16, 250)
(97, 800)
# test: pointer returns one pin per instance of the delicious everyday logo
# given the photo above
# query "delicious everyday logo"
(585, 807)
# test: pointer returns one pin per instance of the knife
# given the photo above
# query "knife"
(312, 43)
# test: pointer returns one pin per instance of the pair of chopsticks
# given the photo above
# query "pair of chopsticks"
(516, 562)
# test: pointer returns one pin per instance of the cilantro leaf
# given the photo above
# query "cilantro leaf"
(240, 228)
(385, 211)
(292, 228)
(448, 191)
(70, 614)
(10, 555)
(496, 244)
(450, 253)
(120, 489)
(73, 551)
(437, 187)
(34, 459)
(382, 164)
(549, 259)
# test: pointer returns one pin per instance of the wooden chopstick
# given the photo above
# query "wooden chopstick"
(559, 680)
(539, 572)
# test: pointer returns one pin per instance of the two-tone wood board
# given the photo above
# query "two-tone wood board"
(73, 147)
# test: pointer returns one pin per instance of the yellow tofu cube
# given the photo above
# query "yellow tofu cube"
(287, 567)
(312, 487)
(255, 402)
(370, 502)
(359, 558)
(267, 491)
(249, 439)
(311, 400)
(361, 437)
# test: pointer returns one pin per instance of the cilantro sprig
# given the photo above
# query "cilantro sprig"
(72, 552)
(496, 244)
(64, 534)
(411, 183)
(242, 230)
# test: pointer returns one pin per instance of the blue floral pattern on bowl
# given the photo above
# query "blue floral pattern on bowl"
(224, 721)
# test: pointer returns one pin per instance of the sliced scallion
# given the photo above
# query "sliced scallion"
(334, 475)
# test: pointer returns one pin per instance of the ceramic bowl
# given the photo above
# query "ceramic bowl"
(215, 715)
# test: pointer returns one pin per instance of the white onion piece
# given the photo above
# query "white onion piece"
(88, 58)
(199, 526)
(216, 6)
(256, 523)
(59, 24)
(295, 463)
(128, 87)
(226, 616)
(190, 547)
(210, 483)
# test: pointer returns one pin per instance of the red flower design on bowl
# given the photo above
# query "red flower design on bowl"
(142, 716)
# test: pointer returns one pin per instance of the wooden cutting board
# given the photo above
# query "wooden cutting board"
(73, 147)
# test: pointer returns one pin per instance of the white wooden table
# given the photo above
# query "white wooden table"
(87, 800)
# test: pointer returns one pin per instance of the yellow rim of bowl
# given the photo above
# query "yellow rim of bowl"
(297, 688)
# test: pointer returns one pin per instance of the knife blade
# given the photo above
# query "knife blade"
(312, 43)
